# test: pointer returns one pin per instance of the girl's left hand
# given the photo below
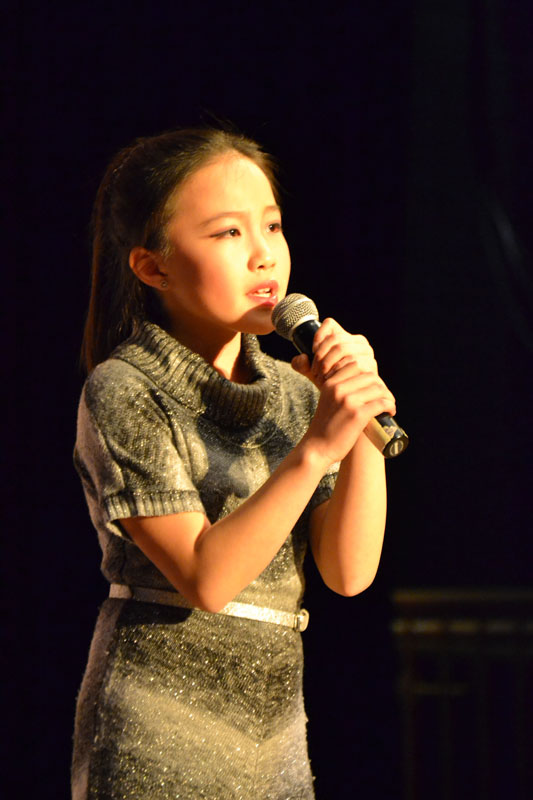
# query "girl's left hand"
(334, 348)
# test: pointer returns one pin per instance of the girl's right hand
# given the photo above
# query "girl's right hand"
(349, 399)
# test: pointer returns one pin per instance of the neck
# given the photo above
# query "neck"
(224, 355)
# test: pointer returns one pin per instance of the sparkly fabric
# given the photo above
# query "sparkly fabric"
(178, 703)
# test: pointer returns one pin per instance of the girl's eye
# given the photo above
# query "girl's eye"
(275, 227)
(230, 233)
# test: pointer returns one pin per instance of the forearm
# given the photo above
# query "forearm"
(236, 549)
(211, 564)
(347, 531)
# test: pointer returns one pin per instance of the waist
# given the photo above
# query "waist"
(143, 594)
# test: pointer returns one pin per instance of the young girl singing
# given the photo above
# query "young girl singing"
(208, 467)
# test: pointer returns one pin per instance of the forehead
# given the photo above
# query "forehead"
(230, 182)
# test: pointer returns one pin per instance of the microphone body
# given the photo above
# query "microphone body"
(296, 318)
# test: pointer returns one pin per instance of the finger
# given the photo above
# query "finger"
(330, 353)
(340, 354)
(379, 406)
(331, 350)
(337, 365)
(369, 394)
(327, 335)
(350, 371)
(380, 403)
(368, 405)
(336, 346)
(359, 389)
(327, 328)
(331, 328)
(301, 364)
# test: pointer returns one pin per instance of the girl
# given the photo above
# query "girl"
(207, 467)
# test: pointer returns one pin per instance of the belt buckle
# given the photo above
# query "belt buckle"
(301, 620)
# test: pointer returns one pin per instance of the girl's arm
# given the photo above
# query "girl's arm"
(347, 530)
(211, 564)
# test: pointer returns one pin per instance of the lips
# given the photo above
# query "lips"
(266, 291)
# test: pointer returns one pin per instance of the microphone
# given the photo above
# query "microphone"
(296, 318)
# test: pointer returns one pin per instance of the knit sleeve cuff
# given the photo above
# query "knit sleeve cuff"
(127, 504)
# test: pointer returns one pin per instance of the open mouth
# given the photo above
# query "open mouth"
(266, 291)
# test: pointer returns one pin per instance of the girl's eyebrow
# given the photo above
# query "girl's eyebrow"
(240, 214)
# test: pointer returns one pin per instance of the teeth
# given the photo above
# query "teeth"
(263, 291)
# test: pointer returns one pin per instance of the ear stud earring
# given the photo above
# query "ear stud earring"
(164, 284)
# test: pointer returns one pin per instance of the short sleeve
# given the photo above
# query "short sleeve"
(325, 488)
(125, 451)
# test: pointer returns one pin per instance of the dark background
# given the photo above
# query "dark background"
(403, 131)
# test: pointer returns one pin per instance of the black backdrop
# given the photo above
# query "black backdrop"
(403, 131)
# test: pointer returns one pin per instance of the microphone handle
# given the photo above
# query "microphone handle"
(383, 431)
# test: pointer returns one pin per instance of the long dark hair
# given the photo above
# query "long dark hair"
(132, 209)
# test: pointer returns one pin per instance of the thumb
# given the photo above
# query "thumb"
(301, 364)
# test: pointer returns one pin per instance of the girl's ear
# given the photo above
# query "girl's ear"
(146, 265)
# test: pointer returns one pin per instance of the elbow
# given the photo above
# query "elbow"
(350, 590)
(201, 593)
(213, 605)
(204, 602)
(349, 587)
(205, 598)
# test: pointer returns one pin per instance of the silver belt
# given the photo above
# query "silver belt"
(297, 622)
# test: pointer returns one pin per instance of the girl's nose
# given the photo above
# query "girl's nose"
(262, 259)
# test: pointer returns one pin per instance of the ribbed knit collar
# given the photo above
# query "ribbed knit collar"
(196, 384)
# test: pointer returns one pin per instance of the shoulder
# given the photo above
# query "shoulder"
(116, 387)
(111, 377)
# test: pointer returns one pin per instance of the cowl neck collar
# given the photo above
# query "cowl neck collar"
(193, 382)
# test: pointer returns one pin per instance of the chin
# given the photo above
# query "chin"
(259, 324)
(257, 330)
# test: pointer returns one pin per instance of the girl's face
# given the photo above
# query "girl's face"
(229, 262)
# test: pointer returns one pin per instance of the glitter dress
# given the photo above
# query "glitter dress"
(180, 703)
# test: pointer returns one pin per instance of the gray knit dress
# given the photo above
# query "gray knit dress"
(181, 703)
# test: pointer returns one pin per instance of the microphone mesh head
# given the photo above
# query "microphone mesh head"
(291, 311)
